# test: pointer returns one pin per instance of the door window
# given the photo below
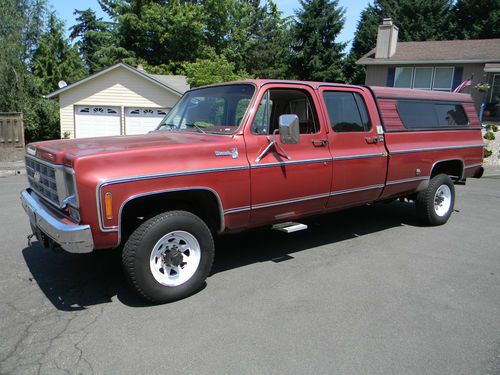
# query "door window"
(277, 102)
(347, 111)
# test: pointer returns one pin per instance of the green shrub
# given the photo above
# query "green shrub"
(492, 128)
(489, 136)
(487, 153)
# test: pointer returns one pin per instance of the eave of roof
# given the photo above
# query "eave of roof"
(363, 61)
(102, 72)
(472, 51)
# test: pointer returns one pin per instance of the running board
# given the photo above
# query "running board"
(289, 227)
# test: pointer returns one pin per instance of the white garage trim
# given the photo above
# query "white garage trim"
(140, 120)
(97, 121)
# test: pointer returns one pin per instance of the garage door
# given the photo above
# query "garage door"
(97, 121)
(143, 120)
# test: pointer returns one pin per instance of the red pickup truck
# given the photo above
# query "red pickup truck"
(246, 154)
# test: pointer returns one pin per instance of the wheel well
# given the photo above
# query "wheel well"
(203, 203)
(454, 168)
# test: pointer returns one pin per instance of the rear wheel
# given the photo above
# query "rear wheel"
(169, 256)
(435, 204)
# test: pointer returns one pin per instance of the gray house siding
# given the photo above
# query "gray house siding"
(376, 75)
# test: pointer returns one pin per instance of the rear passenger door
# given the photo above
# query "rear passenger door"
(358, 151)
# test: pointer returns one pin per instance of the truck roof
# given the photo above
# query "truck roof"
(379, 92)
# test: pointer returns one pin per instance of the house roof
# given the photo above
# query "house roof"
(175, 84)
(443, 51)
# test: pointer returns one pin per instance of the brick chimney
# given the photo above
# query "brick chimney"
(387, 39)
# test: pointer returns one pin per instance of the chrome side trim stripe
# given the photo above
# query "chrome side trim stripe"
(287, 201)
(435, 149)
(293, 162)
(406, 180)
(474, 165)
(357, 156)
(237, 209)
(310, 161)
(301, 199)
(356, 190)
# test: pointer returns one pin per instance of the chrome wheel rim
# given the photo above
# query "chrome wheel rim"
(175, 258)
(442, 200)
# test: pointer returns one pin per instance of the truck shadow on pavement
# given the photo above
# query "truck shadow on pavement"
(75, 281)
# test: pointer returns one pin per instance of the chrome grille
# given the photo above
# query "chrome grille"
(42, 179)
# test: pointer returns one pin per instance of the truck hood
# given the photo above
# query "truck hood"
(65, 151)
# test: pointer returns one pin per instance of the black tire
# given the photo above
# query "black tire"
(140, 245)
(425, 201)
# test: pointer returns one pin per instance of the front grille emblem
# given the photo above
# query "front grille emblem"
(36, 176)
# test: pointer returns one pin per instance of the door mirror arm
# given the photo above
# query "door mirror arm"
(272, 144)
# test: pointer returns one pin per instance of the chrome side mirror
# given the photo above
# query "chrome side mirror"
(289, 129)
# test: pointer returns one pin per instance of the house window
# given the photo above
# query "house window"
(443, 79)
(403, 77)
(424, 78)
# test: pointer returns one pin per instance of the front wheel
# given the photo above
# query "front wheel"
(169, 256)
(435, 204)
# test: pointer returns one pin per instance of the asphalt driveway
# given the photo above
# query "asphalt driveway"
(367, 291)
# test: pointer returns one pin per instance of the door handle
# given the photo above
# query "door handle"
(319, 142)
(371, 140)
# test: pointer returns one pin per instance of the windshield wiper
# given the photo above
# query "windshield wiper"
(193, 125)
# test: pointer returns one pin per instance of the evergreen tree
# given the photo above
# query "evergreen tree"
(268, 51)
(94, 37)
(55, 59)
(477, 19)
(316, 54)
(417, 20)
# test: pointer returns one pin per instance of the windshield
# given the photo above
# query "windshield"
(217, 109)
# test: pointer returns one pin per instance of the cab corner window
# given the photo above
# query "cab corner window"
(277, 102)
(347, 111)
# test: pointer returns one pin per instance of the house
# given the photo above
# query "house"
(118, 100)
(435, 65)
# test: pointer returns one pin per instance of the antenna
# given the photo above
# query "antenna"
(62, 84)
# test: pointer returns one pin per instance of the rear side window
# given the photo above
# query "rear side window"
(347, 111)
(431, 115)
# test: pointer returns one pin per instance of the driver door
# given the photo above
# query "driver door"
(294, 179)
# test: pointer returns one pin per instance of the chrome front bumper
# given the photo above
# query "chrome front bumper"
(71, 237)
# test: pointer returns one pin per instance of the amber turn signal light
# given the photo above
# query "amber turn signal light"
(108, 200)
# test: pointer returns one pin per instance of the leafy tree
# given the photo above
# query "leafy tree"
(94, 38)
(316, 54)
(157, 32)
(477, 19)
(213, 70)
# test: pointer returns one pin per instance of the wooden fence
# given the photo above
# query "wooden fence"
(11, 129)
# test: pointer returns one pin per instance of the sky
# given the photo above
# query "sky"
(65, 8)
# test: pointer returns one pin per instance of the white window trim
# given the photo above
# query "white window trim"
(434, 69)
(411, 79)
(493, 86)
(415, 74)
(451, 81)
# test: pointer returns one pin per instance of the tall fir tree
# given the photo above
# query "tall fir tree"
(477, 19)
(316, 53)
(268, 52)
(417, 20)
(93, 36)
(55, 58)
